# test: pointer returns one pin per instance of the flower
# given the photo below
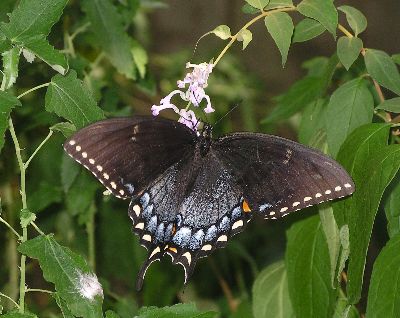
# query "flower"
(196, 82)
(88, 286)
(188, 118)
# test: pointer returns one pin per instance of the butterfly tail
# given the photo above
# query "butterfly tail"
(154, 255)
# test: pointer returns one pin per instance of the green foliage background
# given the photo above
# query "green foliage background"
(69, 63)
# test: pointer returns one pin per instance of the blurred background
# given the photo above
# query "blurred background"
(168, 30)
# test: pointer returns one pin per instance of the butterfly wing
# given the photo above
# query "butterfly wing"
(279, 176)
(126, 154)
(193, 208)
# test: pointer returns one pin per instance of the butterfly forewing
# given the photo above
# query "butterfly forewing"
(126, 154)
(279, 176)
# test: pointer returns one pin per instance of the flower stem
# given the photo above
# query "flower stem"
(39, 290)
(91, 237)
(251, 22)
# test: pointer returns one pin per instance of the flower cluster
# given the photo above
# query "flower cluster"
(194, 82)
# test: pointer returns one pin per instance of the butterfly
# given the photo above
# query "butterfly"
(190, 193)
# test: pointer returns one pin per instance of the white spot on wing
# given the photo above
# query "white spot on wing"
(91, 161)
(296, 203)
(207, 247)
(283, 209)
(78, 148)
(188, 257)
(272, 213)
(100, 168)
(121, 192)
(140, 226)
(347, 185)
(72, 142)
(237, 224)
(318, 195)
(155, 251)
(222, 238)
(84, 154)
(338, 188)
(307, 199)
(113, 185)
(106, 176)
(136, 209)
(328, 192)
(146, 237)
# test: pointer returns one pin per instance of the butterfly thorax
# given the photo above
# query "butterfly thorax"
(205, 139)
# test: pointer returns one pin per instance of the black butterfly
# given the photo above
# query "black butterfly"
(190, 193)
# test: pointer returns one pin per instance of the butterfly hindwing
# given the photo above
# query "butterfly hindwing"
(188, 212)
(279, 176)
(126, 154)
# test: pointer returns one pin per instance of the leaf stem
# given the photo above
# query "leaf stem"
(10, 227)
(39, 290)
(26, 165)
(10, 299)
(37, 228)
(91, 237)
(33, 89)
(252, 21)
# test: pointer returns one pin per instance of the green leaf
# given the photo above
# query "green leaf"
(81, 194)
(372, 164)
(67, 129)
(40, 47)
(10, 66)
(343, 309)
(390, 105)
(140, 58)
(308, 269)
(348, 50)
(384, 290)
(344, 251)
(75, 283)
(307, 29)
(7, 103)
(44, 195)
(222, 31)
(332, 236)
(68, 98)
(273, 4)
(280, 26)
(355, 18)
(175, 311)
(62, 304)
(112, 314)
(382, 68)
(350, 106)
(312, 121)
(323, 11)
(299, 94)
(392, 208)
(108, 28)
(259, 4)
(245, 36)
(271, 294)
(33, 18)
(396, 58)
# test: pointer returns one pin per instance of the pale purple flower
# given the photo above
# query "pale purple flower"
(195, 82)
(188, 118)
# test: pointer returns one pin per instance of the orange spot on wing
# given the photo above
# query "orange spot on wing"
(173, 249)
(245, 206)
(173, 229)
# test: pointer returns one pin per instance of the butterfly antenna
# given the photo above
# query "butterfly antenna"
(228, 112)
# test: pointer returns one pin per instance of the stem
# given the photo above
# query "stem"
(79, 30)
(33, 89)
(10, 299)
(262, 15)
(37, 149)
(10, 227)
(345, 31)
(91, 237)
(22, 287)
